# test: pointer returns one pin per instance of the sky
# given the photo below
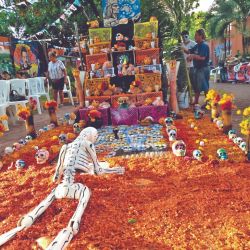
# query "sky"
(205, 5)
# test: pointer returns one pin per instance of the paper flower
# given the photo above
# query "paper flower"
(245, 124)
(50, 104)
(23, 112)
(227, 102)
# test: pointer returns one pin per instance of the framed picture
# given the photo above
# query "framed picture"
(124, 57)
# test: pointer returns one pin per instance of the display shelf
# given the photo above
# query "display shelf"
(97, 58)
(153, 54)
(94, 85)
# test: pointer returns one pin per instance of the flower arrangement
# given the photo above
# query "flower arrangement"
(245, 128)
(95, 118)
(227, 102)
(23, 112)
(213, 99)
(2, 129)
(51, 106)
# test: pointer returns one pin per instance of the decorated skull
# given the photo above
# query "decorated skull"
(42, 155)
(8, 150)
(28, 138)
(219, 124)
(198, 114)
(76, 128)
(179, 148)
(231, 134)
(16, 146)
(51, 126)
(169, 121)
(222, 154)
(62, 138)
(197, 154)
(40, 131)
(172, 135)
(238, 140)
(22, 142)
(243, 146)
(20, 164)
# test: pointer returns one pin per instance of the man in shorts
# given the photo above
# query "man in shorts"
(58, 76)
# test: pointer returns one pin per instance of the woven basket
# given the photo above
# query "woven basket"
(149, 79)
(139, 42)
(93, 84)
(152, 53)
(114, 99)
(92, 59)
(142, 97)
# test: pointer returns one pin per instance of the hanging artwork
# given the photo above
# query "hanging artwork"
(102, 34)
(5, 58)
(26, 56)
(115, 10)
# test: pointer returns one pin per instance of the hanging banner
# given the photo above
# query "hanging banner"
(115, 10)
(26, 56)
(5, 57)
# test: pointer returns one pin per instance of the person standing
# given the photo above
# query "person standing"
(199, 54)
(188, 44)
(58, 76)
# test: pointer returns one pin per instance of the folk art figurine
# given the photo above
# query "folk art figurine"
(74, 156)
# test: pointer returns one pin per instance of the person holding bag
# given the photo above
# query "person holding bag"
(58, 76)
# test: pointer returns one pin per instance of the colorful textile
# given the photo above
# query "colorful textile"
(130, 9)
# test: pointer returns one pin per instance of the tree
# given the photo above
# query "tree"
(226, 12)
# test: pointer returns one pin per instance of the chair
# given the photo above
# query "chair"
(4, 100)
(41, 88)
(20, 86)
(68, 91)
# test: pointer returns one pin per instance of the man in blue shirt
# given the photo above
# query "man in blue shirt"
(200, 56)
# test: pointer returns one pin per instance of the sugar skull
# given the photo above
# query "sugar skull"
(197, 154)
(219, 124)
(51, 126)
(238, 140)
(62, 138)
(22, 142)
(76, 128)
(40, 131)
(42, 155)
(67, 116)
(172, 135)
(198, 114)
(231, 134)
(28, 138)
(243, 146)
(169, 121)
(8, 150)
(179, 148)
(45, 128)
(16, 146)
(222, 154)
(20, 164)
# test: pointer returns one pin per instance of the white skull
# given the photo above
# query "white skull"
(40, 131)
(197, 154)
(8, 150)
(243, 146)
(238, 140)
(219, 124)
(62, 138)
(231, 134)
(76, 128)
(51, 126)
(16, 146)
(28, 138)
(22, 142)
(42, 155)
(169, 121)
(20, 164)
(172, 135)
(179, 148)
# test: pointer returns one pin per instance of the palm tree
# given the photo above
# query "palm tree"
(226, 12)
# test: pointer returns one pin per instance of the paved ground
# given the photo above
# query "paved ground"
(241, 92)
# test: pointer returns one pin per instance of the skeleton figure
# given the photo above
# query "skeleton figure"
(197, 154)
(179, 148)
(76, 155)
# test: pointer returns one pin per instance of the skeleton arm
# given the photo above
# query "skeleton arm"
(59, 166)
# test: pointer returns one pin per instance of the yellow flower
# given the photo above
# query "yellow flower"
(238, 112)
(246, 111)
(3, 118)
(208, 107)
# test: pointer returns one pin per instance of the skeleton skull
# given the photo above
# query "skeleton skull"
(238, 140)
(197, 154)
(222, 154)
(8, 150)
(22, 142)
(62, 138)
(179, 148)
(243, 146)
(28, 138)
(172, 135)
(20, 164)
(42, 155)
(169, 121)
(231, 134)
(76, 128)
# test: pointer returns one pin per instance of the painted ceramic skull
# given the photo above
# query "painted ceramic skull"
(76, 128)
(222, 154)
(16, 146)
(169, 121)
(197, 154)
(22, 142)
(62, 138)
(28, 138)
(51, 126)
(42, 155)
(20, 164)
(231, 134)
(172, 135)
(8, 150)
(238, 140)
(243, 146)
(40, 131)
(198, 114)
(179, 148)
